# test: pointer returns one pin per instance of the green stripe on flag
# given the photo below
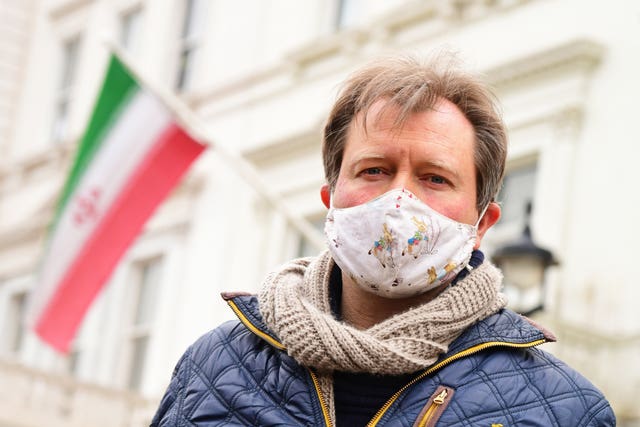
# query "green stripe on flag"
(116, 91)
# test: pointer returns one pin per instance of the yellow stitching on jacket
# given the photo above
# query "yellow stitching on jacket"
(246, 322)
(445, 362)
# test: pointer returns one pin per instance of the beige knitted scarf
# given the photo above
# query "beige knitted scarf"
(294, 302)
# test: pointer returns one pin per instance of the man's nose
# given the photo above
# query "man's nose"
(403, 180)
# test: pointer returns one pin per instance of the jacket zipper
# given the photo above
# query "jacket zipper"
(436, 404)
(323, 404)
(471, 350)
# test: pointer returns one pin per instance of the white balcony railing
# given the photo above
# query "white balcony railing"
(30, 397)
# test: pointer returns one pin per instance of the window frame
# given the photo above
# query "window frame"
(135, 330)
(68, 66)
(188, 43)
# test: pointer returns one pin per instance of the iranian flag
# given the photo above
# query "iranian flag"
(132, 154)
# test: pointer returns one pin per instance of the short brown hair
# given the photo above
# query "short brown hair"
(415, 87)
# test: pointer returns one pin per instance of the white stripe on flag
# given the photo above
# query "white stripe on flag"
(138, 127)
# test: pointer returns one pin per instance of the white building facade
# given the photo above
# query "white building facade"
(262, 75)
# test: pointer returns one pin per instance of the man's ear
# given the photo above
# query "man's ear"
(325, 195)
(491, 216)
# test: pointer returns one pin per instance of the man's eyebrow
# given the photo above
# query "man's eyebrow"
(443, 166)
(368, 156)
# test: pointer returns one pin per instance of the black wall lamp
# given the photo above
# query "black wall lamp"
(524, 265)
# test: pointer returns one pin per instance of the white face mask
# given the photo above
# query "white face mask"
(396, 246)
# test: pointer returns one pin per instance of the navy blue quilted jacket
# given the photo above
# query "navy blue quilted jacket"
(493, 375)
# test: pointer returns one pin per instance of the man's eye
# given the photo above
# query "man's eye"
(372, 171)
(437, 179)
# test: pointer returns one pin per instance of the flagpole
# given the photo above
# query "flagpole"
(244, 168)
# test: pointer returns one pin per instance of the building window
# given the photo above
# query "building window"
(306, 247)
(14, 321)
(348, 13)
(130, 28)
(188, 42)
(68, 69)
(143, 293)
(73, 361)
(517, 191)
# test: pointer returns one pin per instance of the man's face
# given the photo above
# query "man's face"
(432, 156)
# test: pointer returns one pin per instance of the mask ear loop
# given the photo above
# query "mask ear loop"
(484, 211)
(469, 267)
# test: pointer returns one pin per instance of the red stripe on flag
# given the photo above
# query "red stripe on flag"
(150, 183)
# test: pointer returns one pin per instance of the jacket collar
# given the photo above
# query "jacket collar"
(505, 326)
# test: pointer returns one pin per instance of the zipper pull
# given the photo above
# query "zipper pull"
(435, 406)
(439, 399)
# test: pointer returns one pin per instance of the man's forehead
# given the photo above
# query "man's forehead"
(384, 114)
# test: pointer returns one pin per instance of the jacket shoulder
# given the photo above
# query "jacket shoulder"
(230, 376)
(193, 373)
(518, 384)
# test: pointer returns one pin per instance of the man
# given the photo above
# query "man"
(401, 321)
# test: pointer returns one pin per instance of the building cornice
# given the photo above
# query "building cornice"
(62, 8)
(284, 149)
(338, 49)
(17, 173)
(579, 56)
(29, 232)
